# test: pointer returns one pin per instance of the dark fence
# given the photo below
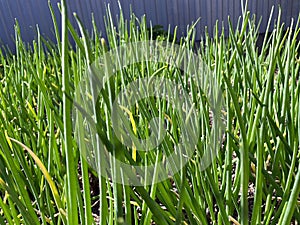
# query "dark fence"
(179, 13)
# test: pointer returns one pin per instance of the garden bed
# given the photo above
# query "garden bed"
(47, 178)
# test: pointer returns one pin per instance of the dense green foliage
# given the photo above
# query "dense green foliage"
(254, 180)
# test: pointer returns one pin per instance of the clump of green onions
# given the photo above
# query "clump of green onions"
(254, 180)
